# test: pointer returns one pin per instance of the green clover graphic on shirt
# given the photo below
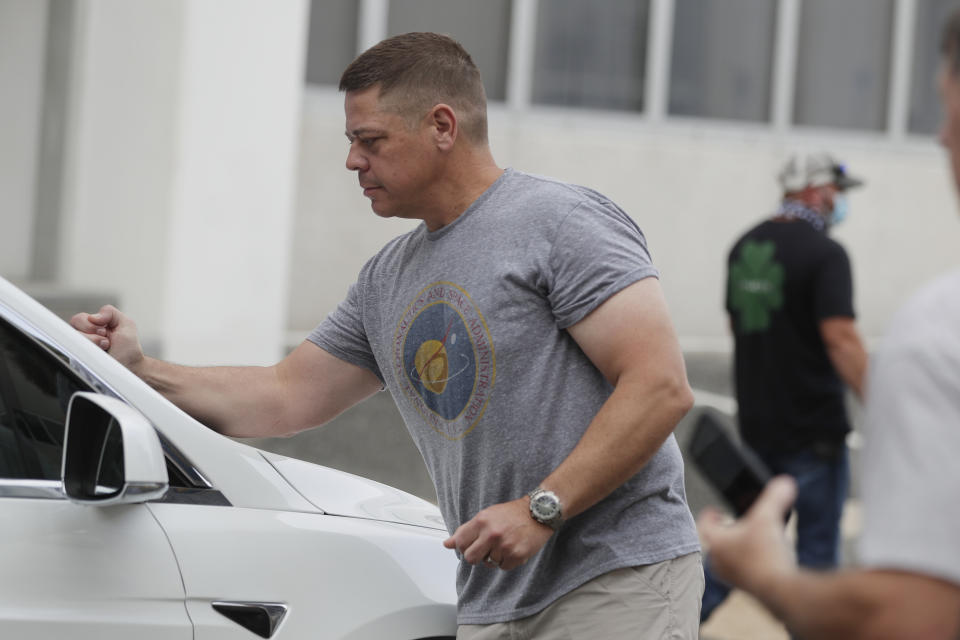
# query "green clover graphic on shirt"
(756, 286)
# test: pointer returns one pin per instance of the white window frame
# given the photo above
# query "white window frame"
(372, 27)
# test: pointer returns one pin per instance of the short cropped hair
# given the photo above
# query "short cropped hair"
(416, 71)
(950, 43)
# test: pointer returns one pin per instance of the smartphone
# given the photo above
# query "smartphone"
(732, 468)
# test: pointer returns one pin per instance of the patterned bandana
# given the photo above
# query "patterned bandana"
(799, 211)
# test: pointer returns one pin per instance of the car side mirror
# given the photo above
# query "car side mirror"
(111, 453)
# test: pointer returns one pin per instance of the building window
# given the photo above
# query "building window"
(332, 40)
(722, 59)
(843, 63)
(483, 28)
(591, 54)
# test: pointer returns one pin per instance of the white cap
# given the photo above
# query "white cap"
(814, 170)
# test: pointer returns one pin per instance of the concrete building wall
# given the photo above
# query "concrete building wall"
(191, 143)
(692, 187)
(22, 48)
(242, 84)
(120, 152)
(181, 159)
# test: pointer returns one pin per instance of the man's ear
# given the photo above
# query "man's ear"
(443, 120)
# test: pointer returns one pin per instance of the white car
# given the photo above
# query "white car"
(122, 517)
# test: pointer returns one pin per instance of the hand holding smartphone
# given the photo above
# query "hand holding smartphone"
(733, 469)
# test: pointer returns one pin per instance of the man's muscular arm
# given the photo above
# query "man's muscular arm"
(631, 340)
(306, 389)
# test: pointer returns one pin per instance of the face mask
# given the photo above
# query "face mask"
(840, 209)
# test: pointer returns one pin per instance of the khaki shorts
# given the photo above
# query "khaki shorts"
(651, 602)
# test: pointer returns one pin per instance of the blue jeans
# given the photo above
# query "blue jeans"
(822, 483)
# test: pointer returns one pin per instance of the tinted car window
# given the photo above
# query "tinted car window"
(35, 389)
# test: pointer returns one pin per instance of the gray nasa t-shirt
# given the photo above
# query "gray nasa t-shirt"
(465, 326)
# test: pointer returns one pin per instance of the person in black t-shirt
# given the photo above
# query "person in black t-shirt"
(796, 347)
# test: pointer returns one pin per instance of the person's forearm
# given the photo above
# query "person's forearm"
(816, 605)
(235, 401)
(850, 361)
(855, 604)
(628, 430)
(846, 351)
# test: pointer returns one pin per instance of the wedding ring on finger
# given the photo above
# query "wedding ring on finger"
(490, 561)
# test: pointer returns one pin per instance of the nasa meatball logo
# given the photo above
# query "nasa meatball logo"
(444, 360)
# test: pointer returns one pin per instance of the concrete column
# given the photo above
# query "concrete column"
(119, 146)
(230, 233)
(181, 169)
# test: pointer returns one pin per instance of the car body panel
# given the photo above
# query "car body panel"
(79, 572)
(344, 494)
(314, 560)
(237, 470)
(348, 557)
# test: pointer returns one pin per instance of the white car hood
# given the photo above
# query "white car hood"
(344, 494)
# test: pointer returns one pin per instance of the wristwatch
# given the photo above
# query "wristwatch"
(545, 508)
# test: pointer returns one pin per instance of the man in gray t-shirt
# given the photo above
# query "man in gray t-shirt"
(465, 325)
(523, 334)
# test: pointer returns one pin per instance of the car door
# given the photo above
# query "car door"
(68, 570)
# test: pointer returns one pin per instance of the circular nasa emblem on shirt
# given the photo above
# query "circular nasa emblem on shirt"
(444, 360)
